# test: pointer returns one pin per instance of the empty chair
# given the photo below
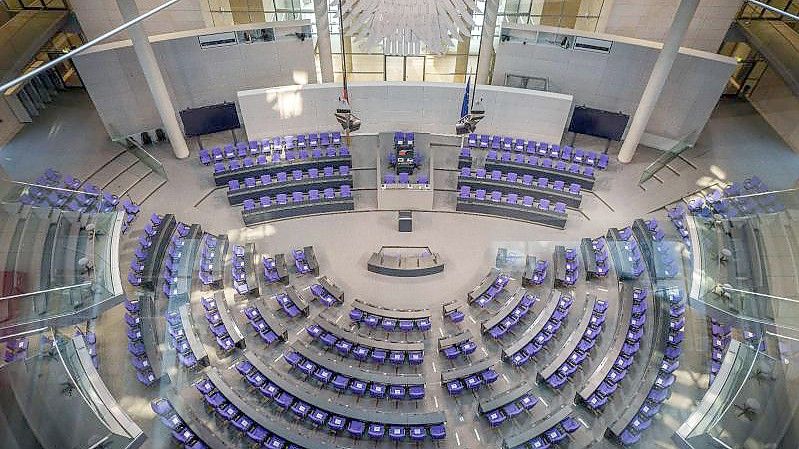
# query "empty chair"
(345, 191)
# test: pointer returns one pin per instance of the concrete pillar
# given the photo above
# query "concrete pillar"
(323, 40)
(154, 78)
(462, 60)
(487, 41)
(660, 73)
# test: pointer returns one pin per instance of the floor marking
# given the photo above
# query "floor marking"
(441, 331)
(484, 351)
(435, 399)
(473, 321)
(457, 439)
(338, 319)
(300, 331)
(583, 423)
(603, 289)
(434, 367)
(278, 358)
(477, 435)
(460, 418)
(505, 377)
(543, 401)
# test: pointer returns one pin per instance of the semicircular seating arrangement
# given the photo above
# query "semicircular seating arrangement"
(389, 320)
(359, 347)
(541, 331)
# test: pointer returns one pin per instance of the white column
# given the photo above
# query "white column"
(154, 78)
(323, 40)
(487, 41)
(660, 73)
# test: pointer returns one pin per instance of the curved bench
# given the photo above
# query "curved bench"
(351, 344)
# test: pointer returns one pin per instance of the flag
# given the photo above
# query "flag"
(465, 105)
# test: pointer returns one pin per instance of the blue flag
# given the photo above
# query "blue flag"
(465, 105)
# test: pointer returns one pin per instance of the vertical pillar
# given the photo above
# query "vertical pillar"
(154, 78)
(462, 59)
(348, 50)
(660, 73)
(323, 40)
(487, 41)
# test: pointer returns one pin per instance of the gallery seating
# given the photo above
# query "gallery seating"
(389, 320)
(359, 347)
(720, 336)
(68, 193)
(330, 372)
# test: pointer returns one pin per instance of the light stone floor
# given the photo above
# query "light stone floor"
(735, 144)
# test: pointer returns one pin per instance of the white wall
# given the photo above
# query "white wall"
(615, 81)
(779, 106)
(399, 106)
(651, 19)
(98, 16)
(194, 76)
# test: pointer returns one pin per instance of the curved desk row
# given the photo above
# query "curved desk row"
(313, 399)
(361, 340)
(221, 178)
(521, 188)
(538, 325)
(525, 436)
(236, 197)
(517, 210)
(506, 309)
(158, 249)
(570, 345)
(529, 166)
(289, 210)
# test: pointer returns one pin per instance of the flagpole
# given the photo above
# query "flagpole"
(344, 68)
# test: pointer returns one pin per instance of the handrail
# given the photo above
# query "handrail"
(774, 9)
(49, 290)
(85, 46)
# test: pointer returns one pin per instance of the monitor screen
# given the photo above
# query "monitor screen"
(210, 119)
(599, 123)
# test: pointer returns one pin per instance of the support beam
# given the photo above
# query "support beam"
(657, 80)
(486, 54)
(323, 40)
(154, 78)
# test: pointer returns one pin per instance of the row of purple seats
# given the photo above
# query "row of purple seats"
(404, 178)
(179, 430)
(301, 261)
(668, 265)
(677, 217)
(271, 274)
(267, 146)
(340, 382)
(527, 180)
(720, 335)
(401, 138)
(362, 352)
(142, 251)
(268, 335)
(288, 306)
(555, 435)
(215, 324)
(16, 349)
(543, 162)
(580, 353)
(540, 272)
(510, 410)
(324, 296)
(239, 271)
(630, 245)
(388, 324)
(131, 212)
(550, 329)
(455, 315)
(208, 249)
(554, 151)
(136, 348)
(512, 199)
(174, 253)
(280, 177)
(286, 157)
(90, 339)
(497, 286)
(514, 316)
(320, 417)
(572, 267)
(463, 348)
(660, 390)
(632, 344)
(599, 246)
(751, 197)
(472, 382)
(283, 199)
(178, 341)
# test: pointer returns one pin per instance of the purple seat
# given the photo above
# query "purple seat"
(527, 201)
(297, 197)
(346, 192)
(281, 199)
(543, 204)
(560, 207)
(249, 205)
(480, 194)
(496, 196)
(313, 195)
